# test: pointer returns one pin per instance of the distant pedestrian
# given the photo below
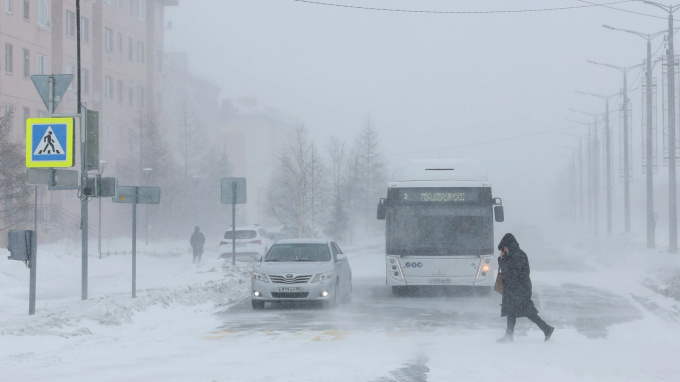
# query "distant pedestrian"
(514, 267)
(197, 240)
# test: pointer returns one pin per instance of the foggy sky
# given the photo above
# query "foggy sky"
(431, 81)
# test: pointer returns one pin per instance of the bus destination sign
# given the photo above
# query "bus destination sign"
(419, 195)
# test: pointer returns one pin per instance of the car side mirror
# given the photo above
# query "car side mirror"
(340, 257)
(382, 209)
(499, 214)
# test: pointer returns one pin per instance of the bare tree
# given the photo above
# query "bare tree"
(15, 194)
(297, 190)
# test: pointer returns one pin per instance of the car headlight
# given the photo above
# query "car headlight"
(322, 277)
(260, 277)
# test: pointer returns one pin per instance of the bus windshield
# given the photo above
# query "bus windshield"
(436, 229)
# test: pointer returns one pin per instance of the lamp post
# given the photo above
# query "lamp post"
(608, 156)
(580, 171)
(102, 167)
(147, 175)
(195, 178)
(672, 197)
(593, 169)
(626, 135)
(649, 133)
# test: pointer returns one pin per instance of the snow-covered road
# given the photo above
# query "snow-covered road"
(194, 323)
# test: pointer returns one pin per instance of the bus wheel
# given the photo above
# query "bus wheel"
(483, 290)
(399, 290)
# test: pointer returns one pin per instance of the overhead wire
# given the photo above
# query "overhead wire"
(486, 142)
(590, 5)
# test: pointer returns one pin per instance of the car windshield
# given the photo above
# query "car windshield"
(240, 234)
(298, 252)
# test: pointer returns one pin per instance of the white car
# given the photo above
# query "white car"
(251, 243)
(302, 270)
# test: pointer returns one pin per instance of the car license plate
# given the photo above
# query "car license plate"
(439, 281)
(290, 289)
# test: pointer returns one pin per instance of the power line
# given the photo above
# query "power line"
(486, 142)
(608, 5)
(590, 5)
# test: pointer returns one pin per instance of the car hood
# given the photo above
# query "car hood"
(297, 267)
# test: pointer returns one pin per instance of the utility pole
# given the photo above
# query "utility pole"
(608, 156)
(626, 141)
(649, 144)
(672, 202)
(593, 157)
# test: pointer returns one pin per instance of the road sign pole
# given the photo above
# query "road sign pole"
(134, 246)
(83, 204)
(233, 223)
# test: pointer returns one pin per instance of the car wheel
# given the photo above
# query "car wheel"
(331, 304)
(349, 293)
(257, 305)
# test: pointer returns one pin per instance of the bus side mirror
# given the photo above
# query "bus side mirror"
(382, 209)
(499, 214)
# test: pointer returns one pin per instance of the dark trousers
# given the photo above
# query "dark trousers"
(197, 257)
(512, 319)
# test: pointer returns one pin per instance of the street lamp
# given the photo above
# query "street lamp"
(672, 197)
(592, 170)
(649, 133)
(102, 167)
(147, 175)
(580, 170)
(195, 178)
(626, 136)
(608, 161)
(594, 154)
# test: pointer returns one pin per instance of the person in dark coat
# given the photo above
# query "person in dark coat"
(513, 265)
(197, 240)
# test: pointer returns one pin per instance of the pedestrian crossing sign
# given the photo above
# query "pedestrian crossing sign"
(50, 142)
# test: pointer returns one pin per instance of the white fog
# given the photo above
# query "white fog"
(385, 149)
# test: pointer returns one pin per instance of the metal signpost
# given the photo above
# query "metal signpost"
(136, 195)
(233, 192)
(22, 246)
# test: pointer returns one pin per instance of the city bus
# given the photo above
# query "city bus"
(439, 217)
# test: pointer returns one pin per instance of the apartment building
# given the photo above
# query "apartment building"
(121, 69)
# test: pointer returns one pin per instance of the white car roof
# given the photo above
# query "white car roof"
(302, 241)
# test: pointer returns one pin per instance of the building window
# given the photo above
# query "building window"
(8, 6)
(84, 29)
(159, 60)
(27, 113)
(9, 58)
(141, 9)
(158, 18)
(140, 52)
(131, 7)
(130, 50)
(140, 95)
(42, 114)
(69, 70)
(43, 14)
(159, 101)
(27, 63)
(119, 50)
(120, 92)
(41, 64)
(27, 10)
(131, 93)
(70, 24)
(85, 77)
(108, 39)
(108, 87)
(8, 108)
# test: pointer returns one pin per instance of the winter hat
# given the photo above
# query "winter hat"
(508, 240)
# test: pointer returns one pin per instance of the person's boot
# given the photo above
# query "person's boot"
(548, 333)
(506, 338)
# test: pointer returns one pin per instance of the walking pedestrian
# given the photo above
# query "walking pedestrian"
(514, 268)
(197, 240)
